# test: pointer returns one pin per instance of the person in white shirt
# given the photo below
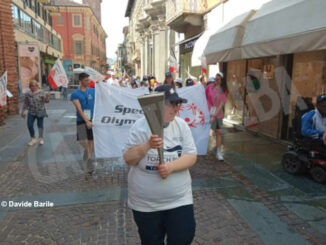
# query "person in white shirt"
(160, 195)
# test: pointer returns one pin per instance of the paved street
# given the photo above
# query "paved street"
(248, 199)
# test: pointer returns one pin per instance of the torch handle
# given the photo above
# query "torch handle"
(160, 155)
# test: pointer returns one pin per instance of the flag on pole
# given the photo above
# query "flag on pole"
(57, 76)
(204, 64)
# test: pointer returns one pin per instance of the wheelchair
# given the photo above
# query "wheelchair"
(305, 155)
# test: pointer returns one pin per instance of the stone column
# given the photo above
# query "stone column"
(8, 58)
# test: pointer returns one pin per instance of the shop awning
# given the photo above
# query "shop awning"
(225, 44)
(286, 26)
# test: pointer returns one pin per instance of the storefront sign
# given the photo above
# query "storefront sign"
(269, 72)
(49, 61)
(29, 64)
(188, 46)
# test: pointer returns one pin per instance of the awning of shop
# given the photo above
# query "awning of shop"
(286, 26)
(225, 44)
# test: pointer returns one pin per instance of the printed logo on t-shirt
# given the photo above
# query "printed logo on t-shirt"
(177, 148)
(170, 154)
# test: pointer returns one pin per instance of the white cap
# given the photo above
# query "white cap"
(220, 74)
(211, 79)
(178, 80)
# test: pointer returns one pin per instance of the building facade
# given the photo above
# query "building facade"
(148, 39)
(82, 34)
(8, 59)
(33, 26)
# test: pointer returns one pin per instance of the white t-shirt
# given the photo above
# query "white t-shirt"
(147, 191)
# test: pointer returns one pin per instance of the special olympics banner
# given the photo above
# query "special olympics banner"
(116, 110)
(195, 113)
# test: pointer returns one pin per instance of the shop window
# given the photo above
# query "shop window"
(235, 78)
(76, 20)
(78, 47)
(308, 76)
(60, 20)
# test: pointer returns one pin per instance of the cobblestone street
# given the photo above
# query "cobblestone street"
(248, 199)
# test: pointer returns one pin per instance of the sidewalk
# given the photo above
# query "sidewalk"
(248, 199)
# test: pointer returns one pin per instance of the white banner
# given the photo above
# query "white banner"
(94, 75)
(58, 76)
(117, 109)
(195, 113)
(3, 89)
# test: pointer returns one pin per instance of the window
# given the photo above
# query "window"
(45, 15)
(38, 9)
(76, 20)
(50, 19)
(78, 47)
(60, 20)
(26, 22)
(46, 36)
(38, 31)
(15, 14)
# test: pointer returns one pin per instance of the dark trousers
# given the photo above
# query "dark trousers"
(178, 224)
(30, 125)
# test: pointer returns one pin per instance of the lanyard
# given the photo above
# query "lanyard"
(215, 95)
(86, 97)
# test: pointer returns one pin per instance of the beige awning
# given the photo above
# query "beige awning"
(285, 26)
(225, 44)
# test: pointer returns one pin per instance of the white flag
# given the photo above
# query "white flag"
(195, 113)
(94, 75)
(3, 89)
(57, 76)
(116, 110)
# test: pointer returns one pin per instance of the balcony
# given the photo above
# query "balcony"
(156, 7)
(183, 13)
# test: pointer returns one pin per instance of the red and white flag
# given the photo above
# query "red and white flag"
(203, 65)
(57, 76)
